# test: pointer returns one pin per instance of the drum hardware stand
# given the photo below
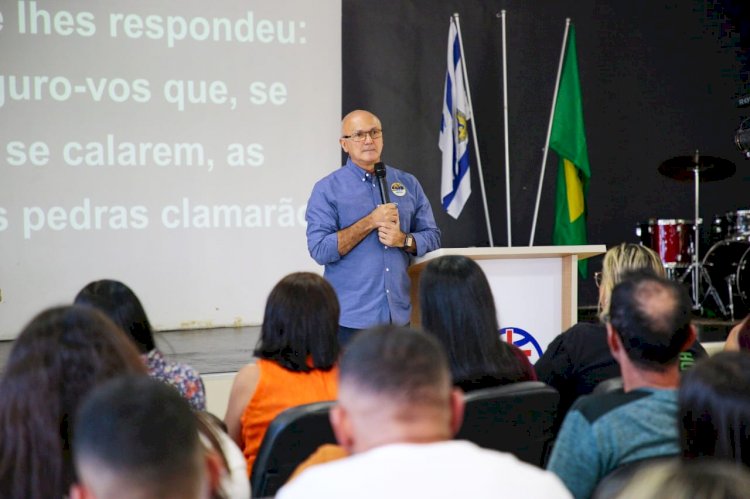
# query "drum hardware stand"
(696, 270)
(698, 273)
(689, 168)
(730, 289)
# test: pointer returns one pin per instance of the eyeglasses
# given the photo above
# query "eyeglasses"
(360, 136)
(598, 278)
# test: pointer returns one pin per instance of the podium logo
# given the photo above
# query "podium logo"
(523, 340)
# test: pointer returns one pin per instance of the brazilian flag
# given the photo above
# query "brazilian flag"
(568, 140)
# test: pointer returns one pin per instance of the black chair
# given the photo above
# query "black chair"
(518, 418)
(290, 439)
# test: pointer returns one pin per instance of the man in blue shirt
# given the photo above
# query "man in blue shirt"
(647, 328)
(365, 245)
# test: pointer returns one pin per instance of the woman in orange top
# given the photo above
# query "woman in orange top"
(297, 353)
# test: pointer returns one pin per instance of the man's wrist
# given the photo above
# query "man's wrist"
(408, 241)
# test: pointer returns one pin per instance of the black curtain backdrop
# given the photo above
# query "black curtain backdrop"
(659, 79)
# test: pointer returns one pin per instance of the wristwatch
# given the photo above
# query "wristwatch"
(408, 241)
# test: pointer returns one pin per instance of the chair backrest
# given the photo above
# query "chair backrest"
(518, 418)
(290, 439)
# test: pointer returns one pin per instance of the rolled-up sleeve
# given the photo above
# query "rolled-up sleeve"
(425, 230)
(322, 227)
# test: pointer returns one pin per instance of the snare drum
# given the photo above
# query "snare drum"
(728, 266)
(673, 240)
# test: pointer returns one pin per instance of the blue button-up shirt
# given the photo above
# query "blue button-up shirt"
(371, 281)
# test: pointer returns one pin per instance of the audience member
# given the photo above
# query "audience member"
(136, 437)
(55, 361)
(396, 414)
(704, 479)
(579, 359)
(297, 353)
(457, 306)
(647, 328)
(714, 403)
(121, 304)
(233, 482)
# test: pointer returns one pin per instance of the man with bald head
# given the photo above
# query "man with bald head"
(396, 415)
(647, 329)
(364, 244)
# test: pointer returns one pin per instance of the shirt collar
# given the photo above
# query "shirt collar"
(361, 173)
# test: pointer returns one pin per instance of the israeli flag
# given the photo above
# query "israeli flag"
(455, 185)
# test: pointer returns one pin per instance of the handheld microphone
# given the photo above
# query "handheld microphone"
(380, 174)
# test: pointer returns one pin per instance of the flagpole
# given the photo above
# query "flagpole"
(549, 131)
(473, 128)
(507, 144)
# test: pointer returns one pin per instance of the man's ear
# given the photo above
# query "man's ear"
(692, 336)
(214, 471)
(457, 410)
(613, 341)
(342, 427)
(344, 145)
(732, 344)
(78, 491)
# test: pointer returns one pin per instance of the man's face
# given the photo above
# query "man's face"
(367, 152)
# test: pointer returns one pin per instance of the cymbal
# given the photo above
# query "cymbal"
(710, 168)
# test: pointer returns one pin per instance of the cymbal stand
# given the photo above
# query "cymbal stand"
(696, 270)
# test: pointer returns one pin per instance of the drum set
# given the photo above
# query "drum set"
(719, 282)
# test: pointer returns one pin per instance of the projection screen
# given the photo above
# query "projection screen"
(168, 144)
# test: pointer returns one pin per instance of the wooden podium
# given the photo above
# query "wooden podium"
(535, 288)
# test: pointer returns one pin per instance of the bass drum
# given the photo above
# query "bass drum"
(728, 266)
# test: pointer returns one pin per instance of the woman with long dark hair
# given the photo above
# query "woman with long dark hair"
(123, 307)
(457, 306)
(55, 362)
(297, 354)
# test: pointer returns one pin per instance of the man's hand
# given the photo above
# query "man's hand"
(391, 235)
(386, 219)
(389, 232)
(384, 214)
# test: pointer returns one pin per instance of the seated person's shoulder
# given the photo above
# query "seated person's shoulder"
(578, 345)
(583, 336)
(594, 407)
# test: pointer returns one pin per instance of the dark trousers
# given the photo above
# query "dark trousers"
(347, 333)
